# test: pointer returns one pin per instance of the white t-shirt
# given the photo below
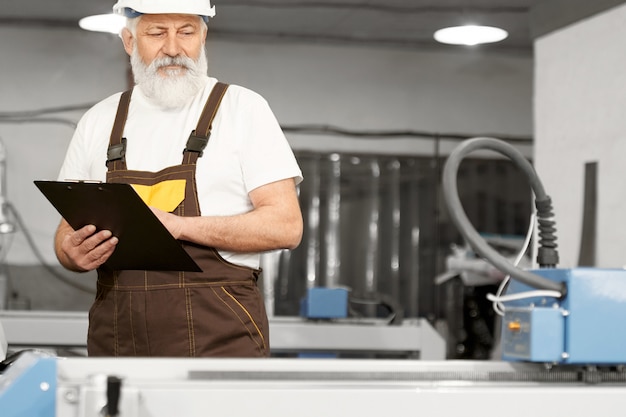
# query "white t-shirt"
(247, 148)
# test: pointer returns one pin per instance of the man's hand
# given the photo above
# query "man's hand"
(172, 222)
(83, 249)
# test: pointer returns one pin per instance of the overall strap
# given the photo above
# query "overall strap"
(199, 137)
(117, 143)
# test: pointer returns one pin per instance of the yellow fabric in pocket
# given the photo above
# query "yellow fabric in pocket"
(165, 195)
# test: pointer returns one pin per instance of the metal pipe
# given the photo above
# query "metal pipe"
(394, 259)
(332, 236)
(313, 225)
(270, 265)
(372, 251)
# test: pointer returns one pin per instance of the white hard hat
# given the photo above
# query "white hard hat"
(134, 8)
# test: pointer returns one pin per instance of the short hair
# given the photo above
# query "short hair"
(131, 24)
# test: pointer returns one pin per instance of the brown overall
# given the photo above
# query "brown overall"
(218, 312)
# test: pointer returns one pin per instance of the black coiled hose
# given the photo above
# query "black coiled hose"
(547, 255)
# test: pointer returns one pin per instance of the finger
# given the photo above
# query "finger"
(99, 255)
(79, 236)
(95, 240)
(102, 252)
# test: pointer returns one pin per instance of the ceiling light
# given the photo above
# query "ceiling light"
(470, 35)
(111, 23)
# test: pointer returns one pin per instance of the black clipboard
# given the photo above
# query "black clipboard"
(144, 242)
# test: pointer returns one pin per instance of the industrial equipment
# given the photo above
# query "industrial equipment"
(325, 303)
(563, 349)
(37, 385)
(550, 315)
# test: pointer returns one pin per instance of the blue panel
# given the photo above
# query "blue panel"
(533, 334)
(595, 306)
(28, 387)
(325, 303)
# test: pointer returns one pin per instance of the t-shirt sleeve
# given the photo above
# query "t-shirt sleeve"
(86, 153)
(266, 154)
(73, 167)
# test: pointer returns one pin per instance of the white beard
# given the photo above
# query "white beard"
(178, 86)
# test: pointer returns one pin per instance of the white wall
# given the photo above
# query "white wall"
(45, 69)
(383, 89)
(579, 107)
(357, 88)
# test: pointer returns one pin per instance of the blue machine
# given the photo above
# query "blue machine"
(551, 315)
(584, 327)
(28, 387)
(325, 303)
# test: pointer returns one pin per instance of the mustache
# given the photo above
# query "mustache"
(182, 61)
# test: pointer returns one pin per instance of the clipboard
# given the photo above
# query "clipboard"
(144, 242)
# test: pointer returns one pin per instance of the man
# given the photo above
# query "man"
(226, 199)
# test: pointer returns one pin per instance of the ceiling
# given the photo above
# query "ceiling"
(398, 23)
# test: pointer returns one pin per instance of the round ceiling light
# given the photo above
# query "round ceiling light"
(111, 23)
(470, 35)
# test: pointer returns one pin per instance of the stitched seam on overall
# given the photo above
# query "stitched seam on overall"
(125, 115)
(156, 178)
(194, 186)
(181, 274)
(116, 341)
(245, 310)
(187, 285)
(236, 315)
(190, 330)
(145, 314)
(215, 109)
(132, 327)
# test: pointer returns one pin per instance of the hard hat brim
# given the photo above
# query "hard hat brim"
(132, 13)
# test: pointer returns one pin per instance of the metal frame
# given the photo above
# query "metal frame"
(326, 387)
(414, 338)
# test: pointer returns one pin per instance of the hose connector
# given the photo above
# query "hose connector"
(547, 255)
